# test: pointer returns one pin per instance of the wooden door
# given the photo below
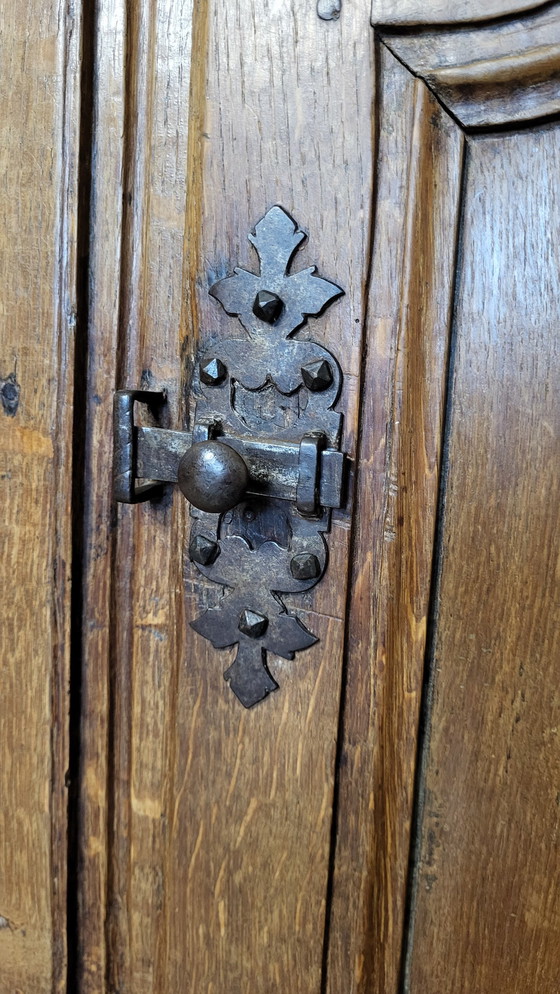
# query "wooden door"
(316, 842)
(387, 820)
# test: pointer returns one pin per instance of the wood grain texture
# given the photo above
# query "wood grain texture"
(490, 75)
(206, 829)
(418, 180)
(101, 380)
(133, 606)
(285, 118)
(418, 12)
(38, 211)
(147, 569)
(206, 859)
(487, 914)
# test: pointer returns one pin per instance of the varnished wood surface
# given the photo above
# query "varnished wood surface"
(419, 12)
(132, 607)
(418, 182)
(38, 170)
(148, 565)
(214, 869)
(251, 796)
(97, 635)
(490, 75)
(487, 910)
(206, 831)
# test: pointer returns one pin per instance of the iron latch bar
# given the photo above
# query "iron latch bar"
(276, 469)
(145, 457)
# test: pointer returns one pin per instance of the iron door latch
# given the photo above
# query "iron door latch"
(262, 467)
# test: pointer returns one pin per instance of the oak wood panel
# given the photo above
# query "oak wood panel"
(38, 210)
(148, 567)
(490, 75)
(286, 119)
(418, 181)
(207, 855)
(133, 604)
(98, 636)
(487, 914)
(418, 12)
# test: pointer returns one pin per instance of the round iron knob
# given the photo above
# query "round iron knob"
(213, 476)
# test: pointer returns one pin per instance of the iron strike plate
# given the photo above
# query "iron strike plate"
(262, 467)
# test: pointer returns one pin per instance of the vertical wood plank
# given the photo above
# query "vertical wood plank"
(418, 182)
(148, 558)
(39, 131)
(98, 646)
(133, 585)
(286, 119)
(487, 911)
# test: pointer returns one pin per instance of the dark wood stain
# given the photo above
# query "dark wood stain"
(487, 915)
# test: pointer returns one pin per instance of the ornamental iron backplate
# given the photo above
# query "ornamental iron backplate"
(262, 467)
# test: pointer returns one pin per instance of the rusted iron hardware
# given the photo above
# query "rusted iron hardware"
(329, 10)
(262, 467)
